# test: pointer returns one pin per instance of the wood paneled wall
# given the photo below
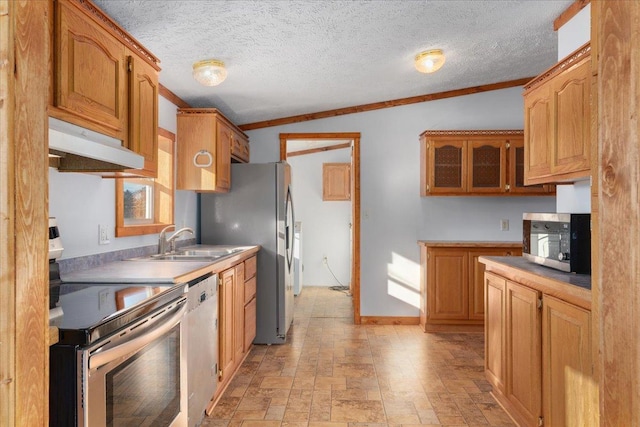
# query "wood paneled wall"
(24, 70)
(618, 39)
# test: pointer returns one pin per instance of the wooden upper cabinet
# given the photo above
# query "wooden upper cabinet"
(557, 108)
(474, 162)
(224, 137)
(205, 143)
(143, 114)
(516, 171)
(239, 147)
(90, 73)
(571, 92)
(336, 181)
(104, 80)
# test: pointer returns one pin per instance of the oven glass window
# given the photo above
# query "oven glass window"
(145, 389)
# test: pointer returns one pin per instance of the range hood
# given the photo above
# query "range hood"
(78, 149)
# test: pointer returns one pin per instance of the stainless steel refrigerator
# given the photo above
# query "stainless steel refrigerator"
(258, 210)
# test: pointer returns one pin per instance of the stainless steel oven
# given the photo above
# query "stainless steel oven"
(129, 368)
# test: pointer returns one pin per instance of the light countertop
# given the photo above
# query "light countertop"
(144, 271)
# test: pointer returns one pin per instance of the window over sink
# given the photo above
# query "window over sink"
(145, 205)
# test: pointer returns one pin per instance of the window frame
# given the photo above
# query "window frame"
(163, 183)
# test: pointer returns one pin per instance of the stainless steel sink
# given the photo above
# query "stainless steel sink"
(176, 257)
(183, 257)
(209, 252)
(199, 253)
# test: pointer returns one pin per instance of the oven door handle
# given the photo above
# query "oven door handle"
(102, 358)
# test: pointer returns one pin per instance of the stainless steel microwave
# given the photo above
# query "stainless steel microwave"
(558, 240)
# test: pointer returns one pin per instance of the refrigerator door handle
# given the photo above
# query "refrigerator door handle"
(290, 220)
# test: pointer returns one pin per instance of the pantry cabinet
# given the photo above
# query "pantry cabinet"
(474, 163)
(206, 143)
(452, 286)
(104, 80)
(557, 132)
(538, 349)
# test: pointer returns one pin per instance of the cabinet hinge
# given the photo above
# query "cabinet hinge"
(129, 64)
(428, 188)
(508, 145)
(540, 421)
(539, 303)
(220, 373)
(507, 187)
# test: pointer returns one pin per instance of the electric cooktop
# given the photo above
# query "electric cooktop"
(95, 310)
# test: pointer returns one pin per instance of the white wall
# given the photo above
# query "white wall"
(81, 202)
(325, 224)
(393, 215)
(574, 198)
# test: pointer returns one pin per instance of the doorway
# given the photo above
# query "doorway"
(318, 142)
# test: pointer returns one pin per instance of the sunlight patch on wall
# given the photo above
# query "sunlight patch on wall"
(404, 279)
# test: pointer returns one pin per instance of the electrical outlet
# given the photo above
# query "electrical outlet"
(504, 225)
(103, 234)
(103, 299)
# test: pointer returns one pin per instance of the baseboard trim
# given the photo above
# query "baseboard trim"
(389, 320)
(453, 328)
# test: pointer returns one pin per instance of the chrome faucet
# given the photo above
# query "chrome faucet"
(172, 240)
(162, 239)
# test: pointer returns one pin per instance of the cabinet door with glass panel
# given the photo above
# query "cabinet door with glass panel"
(487, 165)
(474, 163)
(444, 166)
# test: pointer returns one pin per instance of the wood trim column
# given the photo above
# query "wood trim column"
(24, 290)
(618, 100)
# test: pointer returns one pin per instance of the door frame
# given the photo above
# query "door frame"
(355, 202)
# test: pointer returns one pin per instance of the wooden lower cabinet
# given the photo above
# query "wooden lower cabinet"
(238, 312)
(538, 355)
(250, 267)
(452, 286)
(237, 318)
(495, 331)
(567, 384)
(523, 323)
(225, 323)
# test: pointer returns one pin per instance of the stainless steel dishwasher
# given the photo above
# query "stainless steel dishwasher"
(202, 345)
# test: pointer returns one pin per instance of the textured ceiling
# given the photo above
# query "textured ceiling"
(287, 58)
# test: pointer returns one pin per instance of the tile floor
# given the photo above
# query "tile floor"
(332, 373)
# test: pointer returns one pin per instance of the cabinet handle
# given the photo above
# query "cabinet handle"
(202, 153)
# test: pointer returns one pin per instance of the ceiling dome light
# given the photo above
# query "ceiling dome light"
(210, 72)
(429, 61)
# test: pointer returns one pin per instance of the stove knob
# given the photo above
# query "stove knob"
(563, 256)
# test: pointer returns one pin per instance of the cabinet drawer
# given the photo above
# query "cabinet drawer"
(250, 266)
(249, 324)
(249, 289)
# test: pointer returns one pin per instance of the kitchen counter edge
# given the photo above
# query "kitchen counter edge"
(469, 244)
(565, 286)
